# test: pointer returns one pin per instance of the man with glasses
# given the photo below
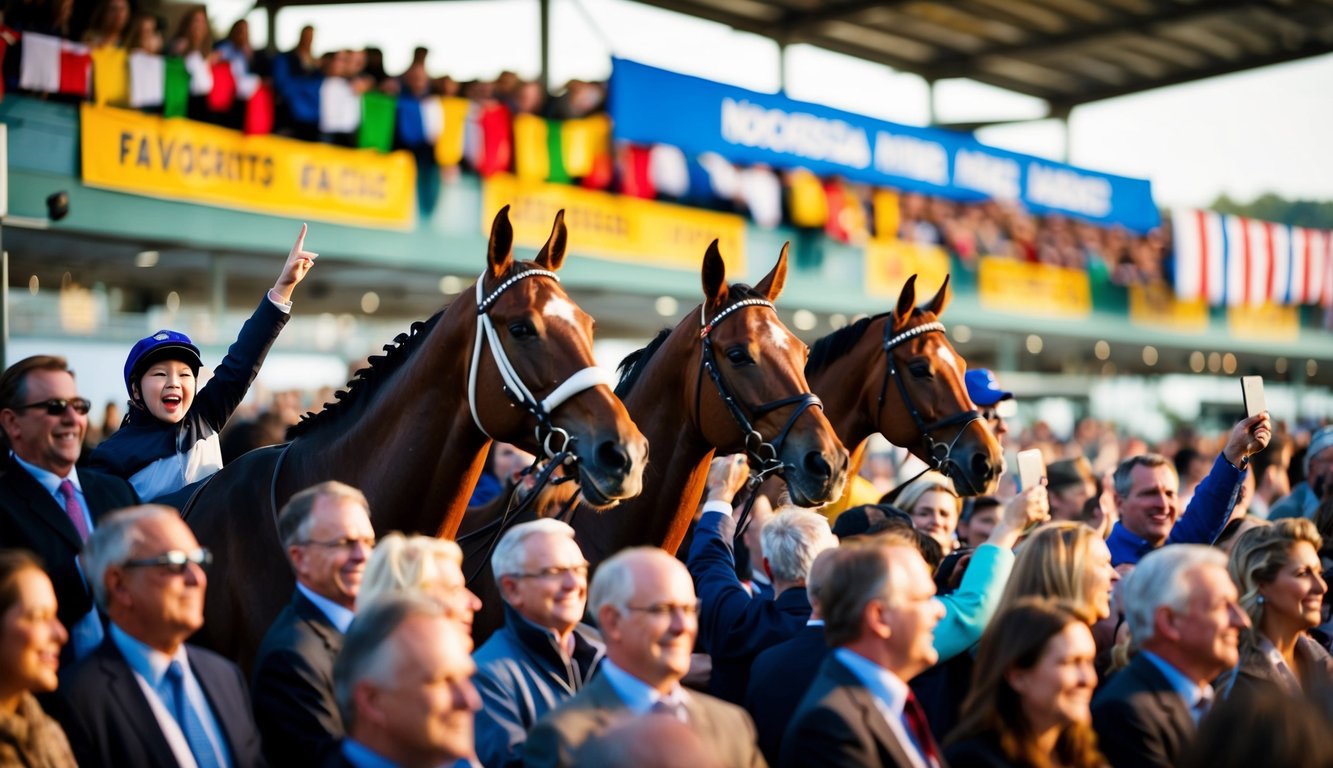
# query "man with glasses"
(645, 605)
(46, 504)
(327, 532)
(144, 697)
(542, 655)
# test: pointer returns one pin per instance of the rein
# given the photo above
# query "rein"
(940, 454)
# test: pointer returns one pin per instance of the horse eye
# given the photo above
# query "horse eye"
(521, 329)
(920, 370)
(739, 356)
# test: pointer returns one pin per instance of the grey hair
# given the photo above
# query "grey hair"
(296, 519)
(402, 564)
(613, 584)
(112, 541)
(1124, 483)
(367, 653)
(1161, 579)
(792, 539)
(511, 551)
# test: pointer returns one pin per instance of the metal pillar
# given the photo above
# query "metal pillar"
(544, 77)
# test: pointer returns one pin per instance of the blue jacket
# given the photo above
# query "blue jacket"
(160, 458)
(734, 626)
(1204, 518)
(521, 675)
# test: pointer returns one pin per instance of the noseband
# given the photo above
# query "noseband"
(554, 440)
(939, 454)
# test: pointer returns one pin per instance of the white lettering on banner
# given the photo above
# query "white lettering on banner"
(1067, 190)
(911, 157)
(796, 133)
(996, 176)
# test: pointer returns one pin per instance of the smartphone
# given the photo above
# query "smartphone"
(1252, 389)
(1031, 468)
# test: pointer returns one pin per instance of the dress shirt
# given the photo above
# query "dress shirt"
(338, 616)
(639, 697)
(1194, 695)
(890, 695)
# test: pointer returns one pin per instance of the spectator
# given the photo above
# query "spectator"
(1146, 494)
(403, 688)
(193, 35)
(879, 614)
(30, 639)
(1068, 562)
(1030, 697)
(145, 35)
(542, 656)
(1070, 483)
(327, 533)
(1271, 482)
(1237, 527)
(144, 697)
(1266, 728)
(735, 626)
(934, 506)
(980, 515)
(47, 505)
(1303, 501)
(504, 468)
(1276, 568)
(1191, 468)
(420, 565)
(645, 605)
(986, 394)
(1183, 616)
(108, 25)
(655, 741)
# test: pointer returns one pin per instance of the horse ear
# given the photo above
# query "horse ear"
(771, 285)
(906, 303)
(500, 252)
(941, 300)
(715, 277)
(552, 255)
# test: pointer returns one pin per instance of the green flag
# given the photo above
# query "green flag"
(377, 113)
(176, 89)
(555, 147)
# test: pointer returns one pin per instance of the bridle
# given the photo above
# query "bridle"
(939, 454)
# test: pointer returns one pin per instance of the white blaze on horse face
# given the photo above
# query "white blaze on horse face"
(778, 336)
(946, 356)
(559, 306)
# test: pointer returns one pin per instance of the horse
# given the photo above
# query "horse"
(926, 409)
(729, 377)
(510, 360)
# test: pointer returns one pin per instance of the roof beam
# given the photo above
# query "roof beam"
(793, 21)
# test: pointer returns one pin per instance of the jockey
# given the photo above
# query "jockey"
(169, 437)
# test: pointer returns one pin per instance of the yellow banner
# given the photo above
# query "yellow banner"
(199, 163)
(1033, 289)
(1266, 322)
(1155, 306)
(617, 228)
(890, 262)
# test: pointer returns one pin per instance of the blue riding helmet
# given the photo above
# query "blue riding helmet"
(163, 345)
(983, 388)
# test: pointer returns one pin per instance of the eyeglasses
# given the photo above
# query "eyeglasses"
(556, 572)
(56, 406)
(174, 561)
(660, 610)
(347, 542)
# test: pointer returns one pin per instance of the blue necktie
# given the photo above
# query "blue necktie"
(173, 695)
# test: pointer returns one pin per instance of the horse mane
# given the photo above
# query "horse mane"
(366, 381)
(838, 343)
(632, 366)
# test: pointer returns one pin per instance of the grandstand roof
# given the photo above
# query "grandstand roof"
(1067, 52)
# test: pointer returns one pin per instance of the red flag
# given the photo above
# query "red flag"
(75, 67)
(497, 140)
(223, 96)
(635, 177)
(259, 111)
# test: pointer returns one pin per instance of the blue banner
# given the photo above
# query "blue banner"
(654, 106)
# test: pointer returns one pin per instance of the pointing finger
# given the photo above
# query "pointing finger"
(300, 241)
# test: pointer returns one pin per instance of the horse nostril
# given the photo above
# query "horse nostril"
(816, 465)
(611, 455)
(982, 466)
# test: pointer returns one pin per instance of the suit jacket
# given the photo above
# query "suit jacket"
(982, 751)
(1140, 719)
(778, 681)
(839, 724)
(292, 686)
(31, 519)
(725, 729)
(109, 722)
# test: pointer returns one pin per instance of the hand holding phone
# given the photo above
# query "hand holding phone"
(1031, 469)
(1252, 389)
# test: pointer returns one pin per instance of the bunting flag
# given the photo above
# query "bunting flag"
(761, 192)
(888, 214)
(453, 131)
(807, 204)
(846, 215)
(531, 157)
(635, 178)
(51, 65)
(495, 148)
(8, 37)
(148, 74)
(669, 171)
(1231, 260)
(722, 175)
(586, 139)
(201, 74)
(222, 93)
(259, 111)
(409, 123)
(377, 115)
(111, 82)
(339, 106)
(175, 88)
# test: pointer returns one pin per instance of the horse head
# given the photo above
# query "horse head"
(943, 427)
(758, 400)
(558, 403)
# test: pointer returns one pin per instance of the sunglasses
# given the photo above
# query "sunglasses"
(175, 561)
(57, 406)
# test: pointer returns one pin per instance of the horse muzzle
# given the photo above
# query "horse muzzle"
(612, 471)
(817, 477)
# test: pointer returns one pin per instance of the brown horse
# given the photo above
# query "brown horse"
(897, 374)
(513, 362)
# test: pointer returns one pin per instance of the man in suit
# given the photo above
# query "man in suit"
(879, 614)
(327, 532)
(645, 605)
(46, 504)
(403, 687)
(144, 697)
(1183, 614)
(734, 625)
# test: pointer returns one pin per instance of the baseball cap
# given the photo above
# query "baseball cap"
(163, 345)
(983, 389)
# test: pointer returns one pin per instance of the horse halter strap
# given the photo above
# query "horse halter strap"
(763, 455)
(941, 454)
(514, 387)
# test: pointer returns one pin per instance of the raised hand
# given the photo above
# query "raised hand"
(299, 262)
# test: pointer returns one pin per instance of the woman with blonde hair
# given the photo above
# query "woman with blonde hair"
(419, 565)
(1066, 561)
(1031, 696)
(933, 505)
(1276, 568)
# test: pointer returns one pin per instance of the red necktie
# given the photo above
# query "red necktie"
(916, 721)
(74, 509)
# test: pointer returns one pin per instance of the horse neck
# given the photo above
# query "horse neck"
(412, 448)
(849, 387)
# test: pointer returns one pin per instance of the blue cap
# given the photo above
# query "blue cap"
(163, 345)
(983, 389)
